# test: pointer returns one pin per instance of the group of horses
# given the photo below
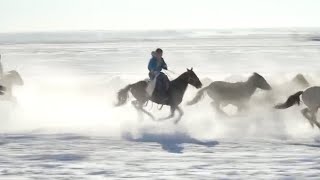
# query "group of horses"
(222, 94)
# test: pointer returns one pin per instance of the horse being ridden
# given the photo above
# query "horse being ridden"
(311, 98)
(175, 94)
(237, 94)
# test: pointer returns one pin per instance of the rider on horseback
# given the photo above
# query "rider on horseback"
(161, 81)
(156, 63)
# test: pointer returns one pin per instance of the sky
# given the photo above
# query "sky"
(70, 15)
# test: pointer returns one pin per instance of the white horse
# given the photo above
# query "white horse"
(311, 98)
(10, 79)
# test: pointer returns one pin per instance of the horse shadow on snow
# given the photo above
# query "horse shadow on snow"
(172, 143)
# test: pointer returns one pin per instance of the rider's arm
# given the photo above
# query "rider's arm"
(152, 65)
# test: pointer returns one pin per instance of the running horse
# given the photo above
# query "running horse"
(311, 98)
(175, 93)
(237, 94)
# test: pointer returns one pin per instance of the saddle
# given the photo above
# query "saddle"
(158, 87)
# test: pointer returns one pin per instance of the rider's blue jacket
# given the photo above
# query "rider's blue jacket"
(156, 66)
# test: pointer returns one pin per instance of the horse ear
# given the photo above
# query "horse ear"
(256, 74)
(191, 69)
(188, 70)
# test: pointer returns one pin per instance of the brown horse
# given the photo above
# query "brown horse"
(175, 93)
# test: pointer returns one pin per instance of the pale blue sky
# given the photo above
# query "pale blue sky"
(53, 15)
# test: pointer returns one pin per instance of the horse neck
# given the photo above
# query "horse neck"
(181, 82)
(251, 87)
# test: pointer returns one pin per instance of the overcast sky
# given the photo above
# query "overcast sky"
(53, 15)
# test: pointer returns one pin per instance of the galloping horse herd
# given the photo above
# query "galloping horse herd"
(224, 93)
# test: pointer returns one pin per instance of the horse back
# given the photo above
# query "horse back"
(228, 91)
(138, 90)
(311, 97)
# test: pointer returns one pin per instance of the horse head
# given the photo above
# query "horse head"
(14, 78)
(193, 79)
(260, 82)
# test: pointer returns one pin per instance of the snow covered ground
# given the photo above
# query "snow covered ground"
(67, 156)
(64, 125)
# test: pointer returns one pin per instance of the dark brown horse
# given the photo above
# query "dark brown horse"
(176, 92)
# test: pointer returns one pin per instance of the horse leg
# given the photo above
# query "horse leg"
(147, 113)
(308, 115)
(242, 107)
(139, 106)
(180, 115)
(314, 118)
(172, 110)
(216, 105)
(135, 105)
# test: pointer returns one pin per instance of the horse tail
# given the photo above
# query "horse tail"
(123, 95)
(198, 96)
(292, 100)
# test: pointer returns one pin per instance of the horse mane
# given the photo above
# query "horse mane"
(181, 76)
(253, 77)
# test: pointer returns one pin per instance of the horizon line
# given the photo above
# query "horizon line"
(157, 30)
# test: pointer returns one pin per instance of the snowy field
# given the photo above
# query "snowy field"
(64, 124)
